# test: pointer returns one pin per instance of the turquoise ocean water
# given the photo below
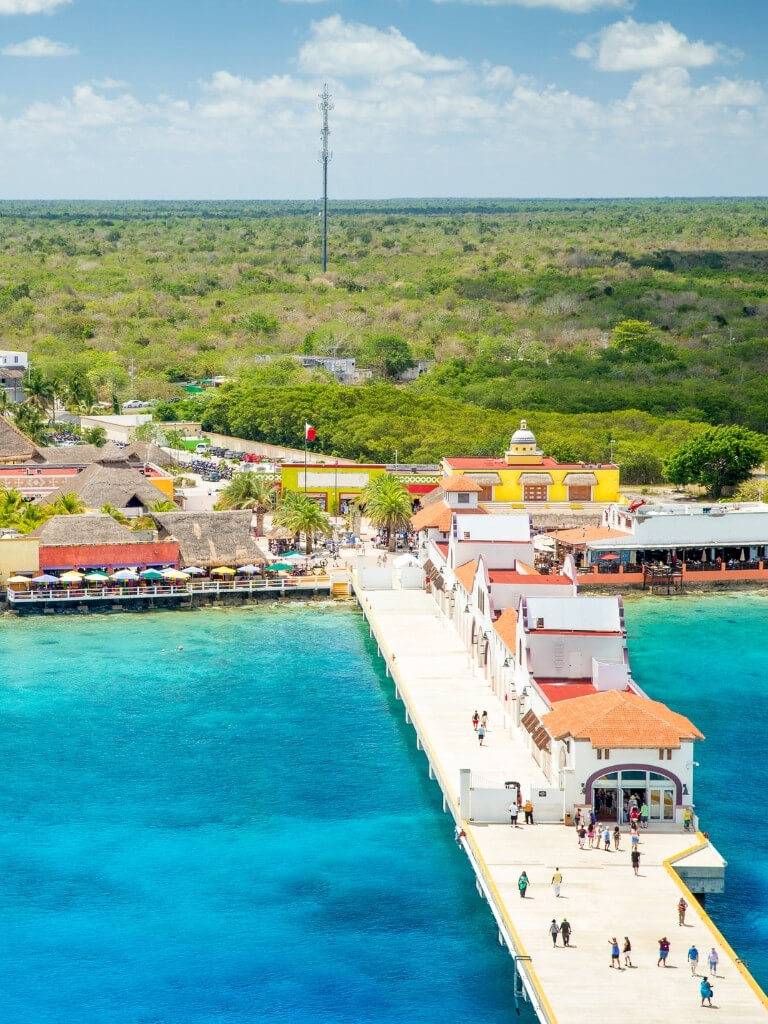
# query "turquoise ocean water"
(237, 831)
(708, 658)
(242, 830)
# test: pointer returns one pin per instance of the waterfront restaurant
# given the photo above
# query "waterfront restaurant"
(97, 541)
(704, 538)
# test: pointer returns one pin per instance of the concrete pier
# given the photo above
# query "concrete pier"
(600, 896)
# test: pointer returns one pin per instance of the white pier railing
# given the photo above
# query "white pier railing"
(145, 590)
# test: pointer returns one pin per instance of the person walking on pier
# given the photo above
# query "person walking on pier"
(627, 951)
(522, 884)
(635, 858)
(706, 991)
(513, 809)
(644, 815)
(480, 734)
(557, 881)
(528, 812)
(565, 931)
(591, 835)
(614, 944)
(554, 931)
(484, 719)
(663, 952)
(682, 906)
(693, 959)
(582, 836)
(607, 838)
(616, 838)
(475, 720)
(713, 961)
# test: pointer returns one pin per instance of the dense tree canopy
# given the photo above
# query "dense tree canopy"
(717, 458)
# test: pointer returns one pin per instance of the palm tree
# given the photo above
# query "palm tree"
(5, 402)
(39, 390)
(302, 515)
(29, 420)
(164, 505)
(97, 436)
(69, 504)
(11, 504)
(249, 490)
(117, 515)
(30, 517)
(388, 505)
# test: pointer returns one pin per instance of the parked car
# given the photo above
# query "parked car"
(216, 451)
(133, 404)
(202, 449)
(229, 454)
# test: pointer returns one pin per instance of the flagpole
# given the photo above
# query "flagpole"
(305, 459)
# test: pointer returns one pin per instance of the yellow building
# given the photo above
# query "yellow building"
(335, 487)
(525, 474)
(18, 554)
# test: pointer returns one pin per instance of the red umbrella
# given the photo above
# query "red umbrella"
(608, 557)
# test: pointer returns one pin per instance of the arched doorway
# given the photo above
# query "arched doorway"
(612, 794)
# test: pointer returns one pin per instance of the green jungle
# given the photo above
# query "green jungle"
(630, 325)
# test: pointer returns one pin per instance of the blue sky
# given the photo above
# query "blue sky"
(196, 99)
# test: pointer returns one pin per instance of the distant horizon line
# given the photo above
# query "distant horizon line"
(389, 199)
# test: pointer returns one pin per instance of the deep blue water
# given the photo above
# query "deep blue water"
(237, 831)
(708, 658)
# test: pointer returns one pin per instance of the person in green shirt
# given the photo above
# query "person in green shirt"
(644, 815)
(522, 884)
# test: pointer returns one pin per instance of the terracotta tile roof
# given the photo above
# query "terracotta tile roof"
(579, 535)
(511, 576)
(438, 516)
(506, 627)
(430, 516)
(619, 719)
(465, 574)
(459, 484)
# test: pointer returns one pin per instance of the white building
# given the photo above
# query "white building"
(13, 366)
(616, 746)
(691, 533)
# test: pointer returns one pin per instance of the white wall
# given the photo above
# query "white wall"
(497, 555)
(563, 656)
(507, 595)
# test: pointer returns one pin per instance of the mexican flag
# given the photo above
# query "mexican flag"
(309, 432)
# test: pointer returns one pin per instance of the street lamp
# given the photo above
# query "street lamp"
(612, 443)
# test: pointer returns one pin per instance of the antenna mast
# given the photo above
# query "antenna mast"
(325, 157)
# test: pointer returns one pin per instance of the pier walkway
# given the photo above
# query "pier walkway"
(601, 897)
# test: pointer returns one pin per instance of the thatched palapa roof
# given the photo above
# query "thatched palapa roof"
(279, 533)
(92, 528)
(116, 485)
(141, 452)
(15, 447)
(210, 539)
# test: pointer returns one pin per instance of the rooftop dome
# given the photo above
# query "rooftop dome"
(523, 435)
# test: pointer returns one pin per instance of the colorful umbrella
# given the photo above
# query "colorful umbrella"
(45, 578)
(19, 579)
(124, 574)
(73, 576)
(279, 567)
(194, 570)
(151, 574)
(222, 570)
(174, 574)
(608, 557)
(249, 570)
(96, 577)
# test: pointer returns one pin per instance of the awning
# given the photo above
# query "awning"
(530, 722)
(580, 480)
(434, 574)
(485, 479)
(535, 478)
(541, 738)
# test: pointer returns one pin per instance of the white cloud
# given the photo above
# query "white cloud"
(39, 46)
(108, 83)
(569, 6)
(397, 129)
(30, 6)
(343, 48)
(633, 46)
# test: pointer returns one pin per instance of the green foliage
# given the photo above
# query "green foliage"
(388, 505)
(259, 323)
(69, 504)
(97, 436)
(30, 421)
(718, 458)
(300, 515)
(389, 354)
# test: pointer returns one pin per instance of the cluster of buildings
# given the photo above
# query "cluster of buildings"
(556, 658)
(13, 366)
